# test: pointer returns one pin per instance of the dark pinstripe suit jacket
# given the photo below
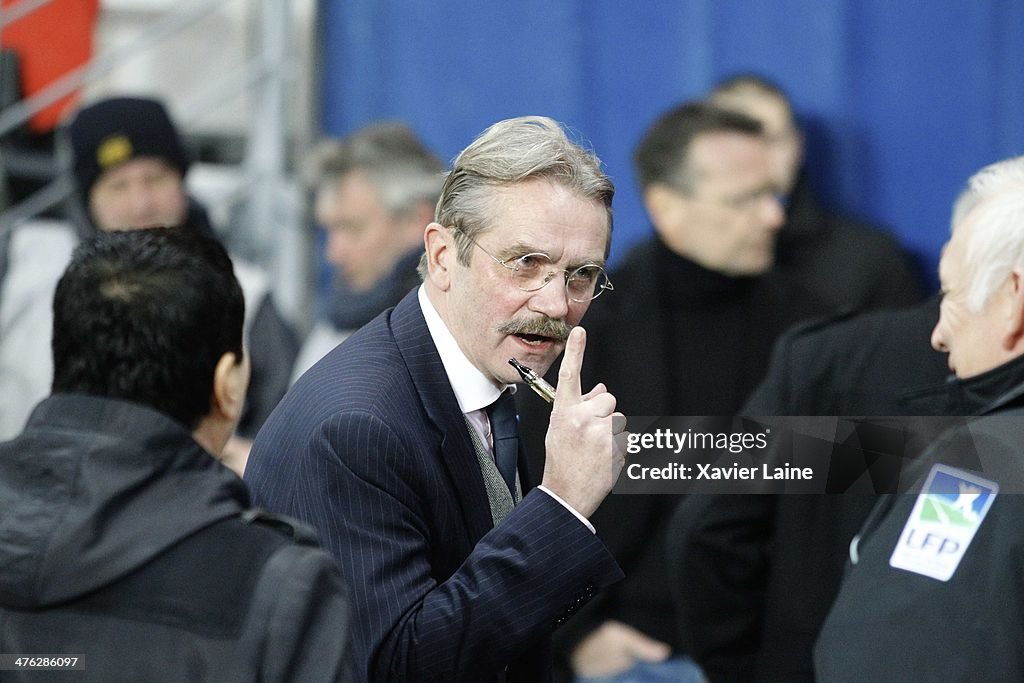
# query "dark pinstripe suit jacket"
(370, 447)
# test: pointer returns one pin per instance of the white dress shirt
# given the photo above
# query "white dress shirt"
(473, 390)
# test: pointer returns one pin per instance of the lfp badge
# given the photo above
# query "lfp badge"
(948, 512)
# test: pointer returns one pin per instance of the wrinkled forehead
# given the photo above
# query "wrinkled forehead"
(955, 260)
(539, 211)
(966, 231)
(944, 266)
(951, 256)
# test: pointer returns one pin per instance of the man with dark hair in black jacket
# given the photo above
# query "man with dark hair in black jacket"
(123, 542)
(741, 565)
(690, 333)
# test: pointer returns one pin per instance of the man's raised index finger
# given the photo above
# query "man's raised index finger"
(572, 363)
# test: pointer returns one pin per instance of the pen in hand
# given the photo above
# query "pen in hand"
(536, 382)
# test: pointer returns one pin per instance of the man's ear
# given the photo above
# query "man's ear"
(665, 206)
(668, 211)
(230, 382)
(1013, 337)
(441, 254)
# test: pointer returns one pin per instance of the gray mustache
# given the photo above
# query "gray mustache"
(544, 327)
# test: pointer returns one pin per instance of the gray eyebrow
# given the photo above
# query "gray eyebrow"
(574, 266)
(518, 249)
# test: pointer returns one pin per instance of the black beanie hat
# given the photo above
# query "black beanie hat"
(113, 131)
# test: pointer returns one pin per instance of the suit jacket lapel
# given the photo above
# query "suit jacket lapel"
(457, 453)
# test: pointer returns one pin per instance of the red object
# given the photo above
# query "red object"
(50, 42)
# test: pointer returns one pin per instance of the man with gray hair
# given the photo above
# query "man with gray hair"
(934, 590)
(374, 191)
(401, 445)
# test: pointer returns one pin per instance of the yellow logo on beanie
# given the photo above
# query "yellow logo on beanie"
(113, 150)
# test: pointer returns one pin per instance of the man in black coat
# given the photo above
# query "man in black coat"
(124, 544)
(739, 564)
(933, 591)
(874, 363)
(688, 332)
(848, 264)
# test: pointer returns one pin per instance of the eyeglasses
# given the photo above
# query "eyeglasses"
(532, 272)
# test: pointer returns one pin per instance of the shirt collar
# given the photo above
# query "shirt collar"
(472, 388)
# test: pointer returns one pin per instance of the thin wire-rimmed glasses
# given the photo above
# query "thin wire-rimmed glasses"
(531, 272)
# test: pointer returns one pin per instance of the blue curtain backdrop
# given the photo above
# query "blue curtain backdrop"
(902, 100)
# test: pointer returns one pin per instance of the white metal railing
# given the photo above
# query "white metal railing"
(166, 26)
(271, 215)
(11, 13)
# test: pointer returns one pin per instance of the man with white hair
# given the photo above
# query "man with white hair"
(934, 593)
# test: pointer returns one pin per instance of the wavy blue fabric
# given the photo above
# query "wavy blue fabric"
(902, 100)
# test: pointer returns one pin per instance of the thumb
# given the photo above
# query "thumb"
(648, 649)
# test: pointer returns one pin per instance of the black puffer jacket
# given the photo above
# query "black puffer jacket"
(124, 543)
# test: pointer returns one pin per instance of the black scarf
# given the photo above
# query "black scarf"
(350, 310)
